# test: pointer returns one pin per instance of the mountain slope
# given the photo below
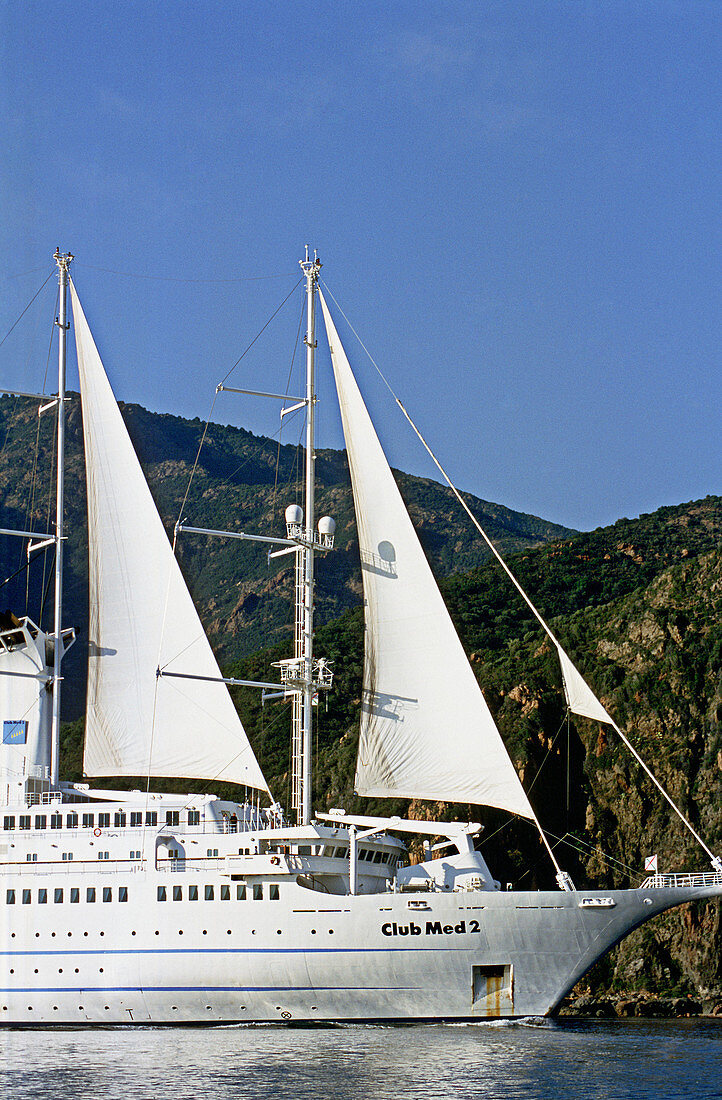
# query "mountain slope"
(242, 482)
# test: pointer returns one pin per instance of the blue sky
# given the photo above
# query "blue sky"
(517, 206)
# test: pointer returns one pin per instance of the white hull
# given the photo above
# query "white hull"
(304, 957)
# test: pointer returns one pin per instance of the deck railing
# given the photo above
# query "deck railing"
(656, 882)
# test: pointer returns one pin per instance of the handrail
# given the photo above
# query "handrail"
(656, 882)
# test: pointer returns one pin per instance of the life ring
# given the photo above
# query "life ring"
(275, 861)
(96, 832)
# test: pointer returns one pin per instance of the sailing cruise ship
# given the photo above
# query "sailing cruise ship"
(139, 908)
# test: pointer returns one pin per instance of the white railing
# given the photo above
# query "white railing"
(656, 882)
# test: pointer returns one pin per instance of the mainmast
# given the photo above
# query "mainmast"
(63, 261)
(305, 565)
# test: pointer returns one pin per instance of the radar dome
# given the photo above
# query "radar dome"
(294, 514)
(326, 526)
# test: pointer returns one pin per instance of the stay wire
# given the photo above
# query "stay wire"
(716, 861)
(27, 307)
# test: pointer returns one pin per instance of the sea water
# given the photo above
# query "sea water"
(612, 1060)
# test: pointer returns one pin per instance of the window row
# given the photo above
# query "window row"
(25, 897)
(102, 820)
(332, 852)
(222, 893)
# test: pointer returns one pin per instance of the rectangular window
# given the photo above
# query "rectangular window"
(88, 821)
(27, 897)
(192, 893)
(342, 853)
(31, 857)
(258, 892)
(172, 817)
(103, 855)
(90, 894)
(378, 857)
(104, 821)
(24, 821)
(67, 856)
(241, 891)
(161, 893)
(71, 821)
(58, 896)
(225, 892)
(56, 821)
(136, 818)
(273, 894)
(304, 849)
(177, 893)
(8, 823)
(42, 897)
(385, 857)
(119, 821)
(9, 897)
(74, 895)
(212, 853)
(194, 817)
(135, 855)
(210, 894)
(41, 821)
(107, 893)
(151, 818)
(122, 893)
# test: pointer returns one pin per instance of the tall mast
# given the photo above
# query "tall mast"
(63, 261)
(310, 269)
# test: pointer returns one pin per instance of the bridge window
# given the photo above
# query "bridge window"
(194, 817)
(172, 817)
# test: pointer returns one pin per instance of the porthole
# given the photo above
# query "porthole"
(100, 971)
(157, 933)
(76, 970)
(85, 933)
(180, 931)
(313, 931)
(205, 932)
(36, 935)
(80, 1008)
(102, 933)
(330, 931)
(36, 970)
(30, 1008)
(70, 933)
(107, 1008)
(55, 1008)
(208, 1008)
(52, 934)
(60, 970)
(228, 933)
(12, 971)
(132, 933)
(278, 932)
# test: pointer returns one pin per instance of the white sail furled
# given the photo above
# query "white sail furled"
(426, 731)
(142, 618)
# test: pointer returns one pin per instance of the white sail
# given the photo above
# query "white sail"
(426, 731)
(142, 618)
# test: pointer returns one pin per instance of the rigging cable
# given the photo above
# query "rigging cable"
(716, 860)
